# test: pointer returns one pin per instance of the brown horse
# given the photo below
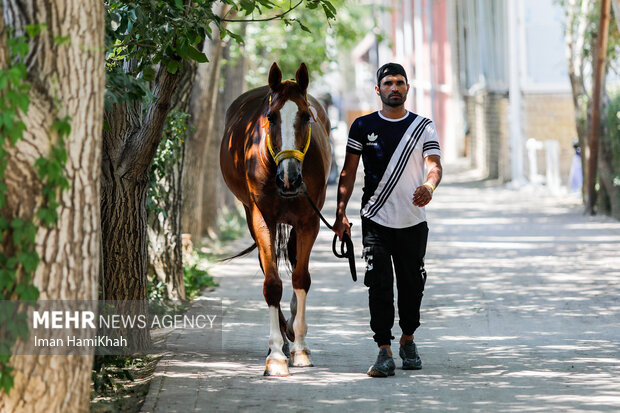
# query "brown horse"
(275, 145)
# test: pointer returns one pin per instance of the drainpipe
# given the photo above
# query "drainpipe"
(418, 35)
(514, 93)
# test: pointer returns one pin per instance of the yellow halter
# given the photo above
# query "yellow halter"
(287, 153)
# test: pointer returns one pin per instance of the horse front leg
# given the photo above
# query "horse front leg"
(264, 235)
(306, 235)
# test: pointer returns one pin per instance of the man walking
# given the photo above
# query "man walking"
(395, 145)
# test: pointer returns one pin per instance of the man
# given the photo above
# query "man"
(395, 145)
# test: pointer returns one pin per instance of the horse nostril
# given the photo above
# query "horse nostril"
(280, 181)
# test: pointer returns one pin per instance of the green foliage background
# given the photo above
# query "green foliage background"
(320, 43)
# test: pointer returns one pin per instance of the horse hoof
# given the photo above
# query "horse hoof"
(300, 358)
(276, 368)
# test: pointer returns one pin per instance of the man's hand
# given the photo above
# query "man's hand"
(341, 225)
(422, 195)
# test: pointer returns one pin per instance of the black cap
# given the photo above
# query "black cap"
(390, 69)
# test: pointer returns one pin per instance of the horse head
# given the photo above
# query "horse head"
(288, 116)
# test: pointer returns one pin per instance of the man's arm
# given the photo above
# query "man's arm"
(345, 189)
(424, 193)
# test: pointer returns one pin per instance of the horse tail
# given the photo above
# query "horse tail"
(241, 254)
(283, 234)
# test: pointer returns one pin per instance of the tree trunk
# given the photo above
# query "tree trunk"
(576, 25)
(68, 80)
(599, 71)
(129, 147)
(609, 192)
(202, 108)
(164, 229)
(235, 86)
(215, 194)
(212, 184)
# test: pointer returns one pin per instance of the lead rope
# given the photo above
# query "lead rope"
(346, 246)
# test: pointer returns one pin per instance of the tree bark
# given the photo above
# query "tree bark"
(129, 147)
(164, 229)
(576, 25)
(607, 173)
(595, 129)
(202, 109)
(236, 85)
(67, 79)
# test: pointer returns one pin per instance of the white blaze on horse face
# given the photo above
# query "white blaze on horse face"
(275, 336)
(299, 325)
(288, 114)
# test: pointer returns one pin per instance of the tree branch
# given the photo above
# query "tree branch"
(266, 19)
(140, 148)
(4, 50)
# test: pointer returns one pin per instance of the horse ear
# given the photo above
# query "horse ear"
(275, 76)
(302, 77)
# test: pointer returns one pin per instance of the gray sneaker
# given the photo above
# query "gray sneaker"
(411, 357)
(384, 366)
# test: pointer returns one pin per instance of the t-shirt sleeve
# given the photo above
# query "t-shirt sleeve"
(354, 143)
(431, 141)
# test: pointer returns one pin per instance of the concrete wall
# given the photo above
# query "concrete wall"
(551, 116)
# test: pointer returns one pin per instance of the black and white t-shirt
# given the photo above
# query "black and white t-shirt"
(393, 152)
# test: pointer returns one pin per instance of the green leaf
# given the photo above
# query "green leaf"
(17, 223)
(182, 49)
(173, 66)
(23, 101)
(4, 223)
(247, 6)
(148, 74)
(27, 292)
(34, 29)
(197, 55)
(6, 379)
(62, 126)
(29, 261)
(60, 40)
(20, 49)
(304, 28)
(178, 4)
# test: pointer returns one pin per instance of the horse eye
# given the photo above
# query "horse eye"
(305, 117)
(271, 117)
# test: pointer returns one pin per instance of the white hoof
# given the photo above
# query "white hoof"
(300, 358)
(276, 368)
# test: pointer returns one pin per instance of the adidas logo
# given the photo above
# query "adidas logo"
(372, 137)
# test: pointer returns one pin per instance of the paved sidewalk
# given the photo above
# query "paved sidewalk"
(521, 313)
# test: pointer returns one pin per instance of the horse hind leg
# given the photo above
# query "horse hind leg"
(285, 333)
(292, 256)
(290, 331)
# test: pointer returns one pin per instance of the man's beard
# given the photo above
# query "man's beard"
(395, 101)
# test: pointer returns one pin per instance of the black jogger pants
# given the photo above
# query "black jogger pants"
(406, 248)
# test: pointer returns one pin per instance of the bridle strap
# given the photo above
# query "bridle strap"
(288, 153)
